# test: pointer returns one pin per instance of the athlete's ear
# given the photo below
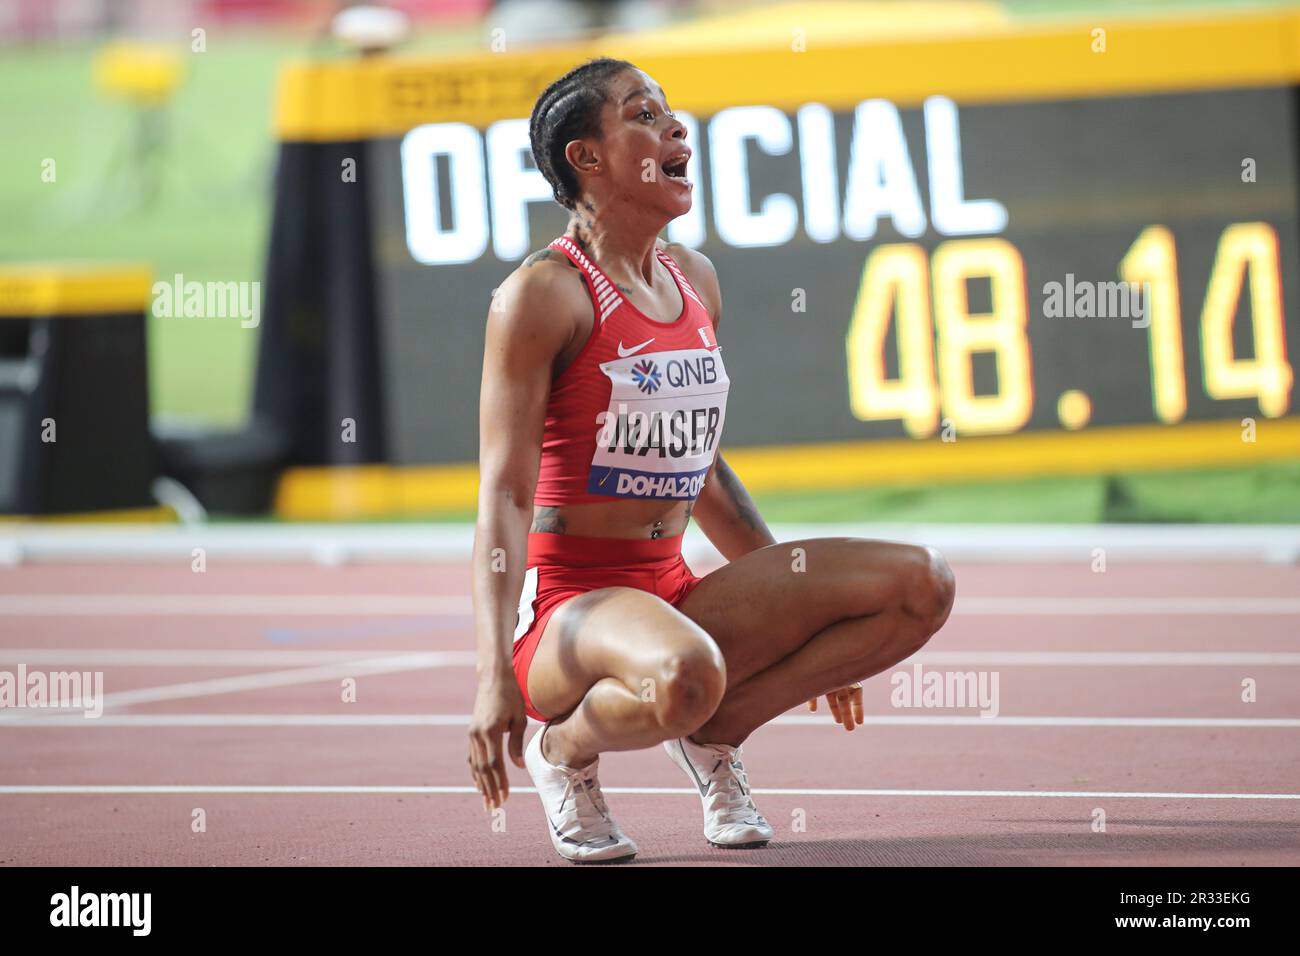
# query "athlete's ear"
(581, 156)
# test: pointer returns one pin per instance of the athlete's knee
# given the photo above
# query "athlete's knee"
(689, 686)
(926, 587)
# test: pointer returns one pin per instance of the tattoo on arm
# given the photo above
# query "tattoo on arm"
(537, 257)
(548, 520)
(735, 491)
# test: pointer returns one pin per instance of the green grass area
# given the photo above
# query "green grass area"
(1264, 494)
(1127, 8)
(210, 219)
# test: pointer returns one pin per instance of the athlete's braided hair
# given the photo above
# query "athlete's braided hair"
(569, 109)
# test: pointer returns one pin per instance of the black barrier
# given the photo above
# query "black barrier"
(318, 361)
(74, 414)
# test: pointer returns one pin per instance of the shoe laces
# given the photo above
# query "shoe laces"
(588, 802)
(729, 785)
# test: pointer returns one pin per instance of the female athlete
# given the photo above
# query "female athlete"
(602, 406)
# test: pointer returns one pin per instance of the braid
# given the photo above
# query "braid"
(569, 109)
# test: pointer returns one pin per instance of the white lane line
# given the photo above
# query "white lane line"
(1106, 658)
(232, 605)
(75, 719)
(976, 721)
(331, 543)
(261, 681)
(1087, 606)
(167, 657)
(246, 720)
(74, 605)
(316, 605)
(138, 790)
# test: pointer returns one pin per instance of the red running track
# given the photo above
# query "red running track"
(1118, 694)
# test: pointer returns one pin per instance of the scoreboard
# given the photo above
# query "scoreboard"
(1016, 248)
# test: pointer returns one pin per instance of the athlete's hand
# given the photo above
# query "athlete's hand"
(498, 710)
(846, 705)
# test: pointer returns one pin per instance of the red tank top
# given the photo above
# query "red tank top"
(638, 413)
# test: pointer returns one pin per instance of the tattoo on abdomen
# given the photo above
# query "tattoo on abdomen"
(548, 520)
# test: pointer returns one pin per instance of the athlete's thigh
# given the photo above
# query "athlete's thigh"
(765, 605)
(620, 632)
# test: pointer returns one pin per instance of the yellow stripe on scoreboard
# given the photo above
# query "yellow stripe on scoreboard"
(381, 490)
(43, 289)
(795, 53)
(157, 514)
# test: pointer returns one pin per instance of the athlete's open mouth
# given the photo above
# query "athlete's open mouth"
(675, 168)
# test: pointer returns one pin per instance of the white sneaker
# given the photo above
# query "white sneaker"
(579, 822)
(730, 817)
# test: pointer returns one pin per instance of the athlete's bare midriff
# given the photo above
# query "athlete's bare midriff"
(621, 518)
(615, 519)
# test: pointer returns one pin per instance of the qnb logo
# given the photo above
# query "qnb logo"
(102, 909)
(646, 376)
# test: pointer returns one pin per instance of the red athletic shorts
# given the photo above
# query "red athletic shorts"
(561, 566)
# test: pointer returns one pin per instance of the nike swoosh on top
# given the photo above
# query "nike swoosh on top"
(624, 353)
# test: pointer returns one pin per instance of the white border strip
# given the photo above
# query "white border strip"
(460, 605)
(336, 544)
(235, 605)
(170, 657)
(134, 790)
(262, 680)
(51, 718)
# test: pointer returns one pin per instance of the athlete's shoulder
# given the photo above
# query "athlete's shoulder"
(699, 270)
(549, 275)
(547, 263)
(546, 290)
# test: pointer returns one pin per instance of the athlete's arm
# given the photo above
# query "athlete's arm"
(531, 320)
(724, 511)
(727, 515)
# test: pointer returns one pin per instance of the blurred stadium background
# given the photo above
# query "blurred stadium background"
(209, 139)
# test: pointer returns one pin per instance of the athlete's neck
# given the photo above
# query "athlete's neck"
(624, 252)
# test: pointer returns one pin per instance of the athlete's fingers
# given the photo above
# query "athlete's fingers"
(812, 704)
(493, 770)
(475, 765)
(846, 713)
(500, 777)
(501, 741)
(857, 703)
(485, 755)
(517, 744)
(835, 706)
